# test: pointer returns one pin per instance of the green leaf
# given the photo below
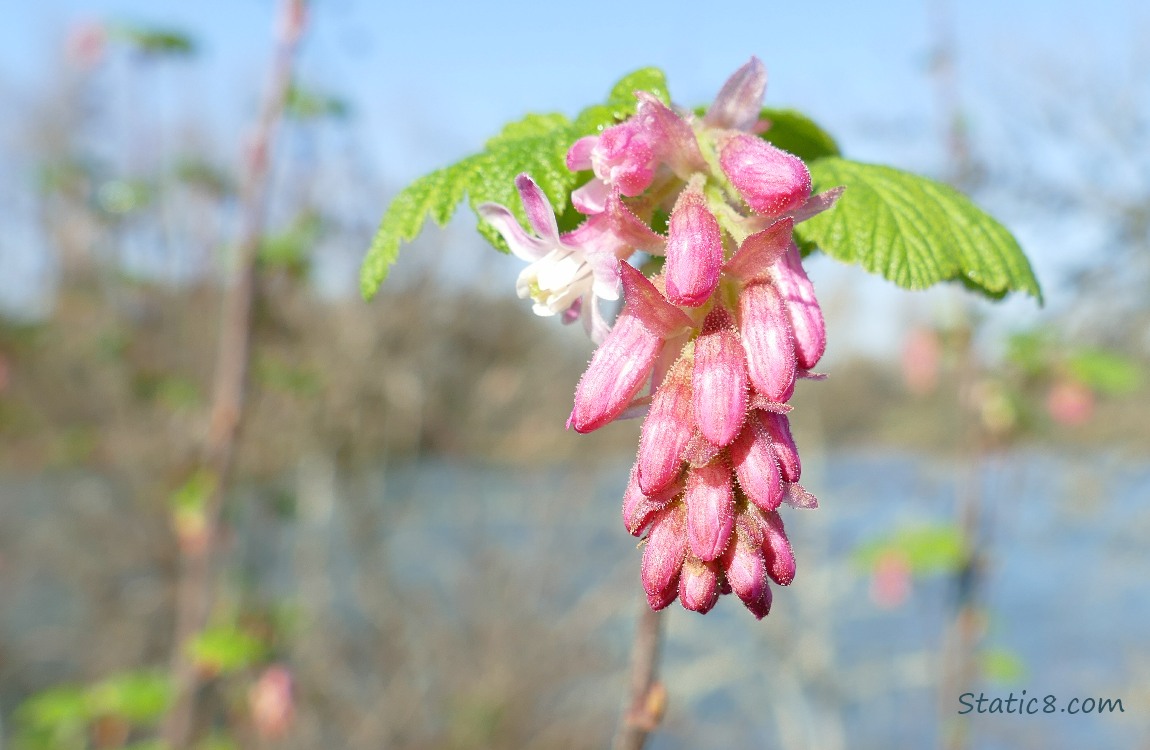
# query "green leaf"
(62, 709)
(289, 250)
(225, 649)
(537, 144)
(155, 41)
(926, 549)
(793, 131)
(217, 741)
(1001, 665)
(138, 697)
(284, 376)
(531, 126)
(914, 231)
(1030, 351)
(651, 80)
(435, 195)
(124, 196)
(307, 104)
(193, 494)
(1105, 371)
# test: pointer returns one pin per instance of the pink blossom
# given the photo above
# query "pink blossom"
(719, 379)
(574, 270)
(739, 103)
(625, 157)
(803, 311)
(710, 349)
(772, 181)
(271, 703)
(623, 362)
(767, 340)
(1070, 403)
(694, 250)
(667, 429)
(710, 503)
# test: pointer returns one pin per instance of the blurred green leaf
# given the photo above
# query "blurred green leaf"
(124, 196)
(193, 494)
(139, 697)
(58, 715)
(199, 173)
(291, 249)
(1105, 371)
(225, 649)
(147, 745)
(217, 741)
(75, 444)
(176, 392)
(307, 104)
(65, 174)
(154, 41)
(1001, 665)
(926, 549)
(1030, 352)
(285, 377)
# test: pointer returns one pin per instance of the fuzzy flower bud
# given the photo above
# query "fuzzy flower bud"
(718, 352)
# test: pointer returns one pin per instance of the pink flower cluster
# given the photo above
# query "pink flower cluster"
(709, 347)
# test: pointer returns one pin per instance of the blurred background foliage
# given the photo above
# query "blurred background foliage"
(400, 461)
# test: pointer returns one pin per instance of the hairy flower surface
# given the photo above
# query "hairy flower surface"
(709, 344)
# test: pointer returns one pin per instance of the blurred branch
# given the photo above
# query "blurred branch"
(647, 697)
(194, 585)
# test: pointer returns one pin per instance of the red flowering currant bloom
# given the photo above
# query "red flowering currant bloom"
(709, 347)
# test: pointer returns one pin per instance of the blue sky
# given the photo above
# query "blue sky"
(455, 71)
(429, 81)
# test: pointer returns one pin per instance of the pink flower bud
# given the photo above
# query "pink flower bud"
(746, 572)
(639, 509)
(802, 308)
(626, 155)
(740, 101)
(783, 445)
(698, 585)
(777, 550)
(694, 250)
(720, 379)
(710, 510)
(622, 364)
(667, 429)
(756, 466)
(663, 556)
(767, 341)
(761, 607)
(772, 181)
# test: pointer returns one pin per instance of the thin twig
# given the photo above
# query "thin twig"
(233, 354)
(647, 698)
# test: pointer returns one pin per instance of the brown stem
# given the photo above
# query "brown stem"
(233, 353)
(647, 698)
(960, 667)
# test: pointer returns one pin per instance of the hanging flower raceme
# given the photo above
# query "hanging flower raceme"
(710, 345)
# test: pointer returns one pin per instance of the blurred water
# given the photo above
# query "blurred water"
(1068, 592)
